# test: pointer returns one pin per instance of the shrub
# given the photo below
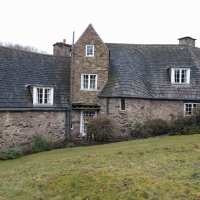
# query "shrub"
(70, 145)
(11, 154)
(136, 130)
(156, 127)
(150, 128)
(102, 128)
(40, 144)
(186, 125)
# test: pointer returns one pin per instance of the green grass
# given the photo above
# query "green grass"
(155, 168)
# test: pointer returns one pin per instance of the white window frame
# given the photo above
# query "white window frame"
(189, 112)
(181, 69)
(89, 79)
(82, 126)
(87, 52)
(121, 101)
(35, 96)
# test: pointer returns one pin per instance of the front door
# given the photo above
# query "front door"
(86, 113)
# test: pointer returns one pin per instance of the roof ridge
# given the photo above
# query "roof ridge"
(26, 51)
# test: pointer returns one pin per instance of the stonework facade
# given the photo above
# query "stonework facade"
(18, 128)
(103, 73)
(135, 110)
(98, 64)
(139, 110)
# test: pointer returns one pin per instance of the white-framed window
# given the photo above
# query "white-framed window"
(42, 96)
(180, 76)
(89, 81)
(188, 108)
(86, 113)
(122, 104)
(89, 50)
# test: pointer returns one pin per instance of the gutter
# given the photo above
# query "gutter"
(34, 109)
(148, 98)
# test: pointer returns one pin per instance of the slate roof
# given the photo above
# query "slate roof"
(142, 71)
(20, 68)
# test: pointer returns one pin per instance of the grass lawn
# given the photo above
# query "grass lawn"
(155, 168)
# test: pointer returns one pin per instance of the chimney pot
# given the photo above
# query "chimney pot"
(64, 41)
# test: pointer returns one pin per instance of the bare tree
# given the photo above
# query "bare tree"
(20, 47)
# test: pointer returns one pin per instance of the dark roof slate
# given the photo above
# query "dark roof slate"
(20, 68)
(142, 71)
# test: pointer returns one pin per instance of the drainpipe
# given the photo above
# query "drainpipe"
(71, 88)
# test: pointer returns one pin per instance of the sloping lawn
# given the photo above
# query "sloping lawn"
(155, 168)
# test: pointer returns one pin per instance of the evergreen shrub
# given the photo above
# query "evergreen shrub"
(11, 154)
(40, 144)
(102, 128)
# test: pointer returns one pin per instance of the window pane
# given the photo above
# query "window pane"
(183, 76)
(85, 81)
(177, 75)
(39, 95)
(47, 96)
(92, 81)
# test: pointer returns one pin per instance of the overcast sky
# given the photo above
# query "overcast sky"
(41, 23)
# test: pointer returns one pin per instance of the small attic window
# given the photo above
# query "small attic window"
(180, 75)
(43, 96)
(89, 50)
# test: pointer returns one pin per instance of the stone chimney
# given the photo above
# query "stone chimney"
(62, 49)
(187, 41)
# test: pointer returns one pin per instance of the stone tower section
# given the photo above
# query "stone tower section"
(91, 63)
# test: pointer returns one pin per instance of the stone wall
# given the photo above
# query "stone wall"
(17, 128)
(140, 110)
(89, 65)
(136, 110)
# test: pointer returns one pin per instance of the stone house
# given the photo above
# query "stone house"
(128, 82)
(132, 82)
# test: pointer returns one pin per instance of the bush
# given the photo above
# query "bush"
(102, 128)
(40, 144)
(186, 125)
(70, 145)
(11, 154)
(150, 128)
(156, 127)
(136, 130)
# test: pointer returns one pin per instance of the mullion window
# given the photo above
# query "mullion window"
(89, 81)
(188, 110)
(43, 95)
(180, 76)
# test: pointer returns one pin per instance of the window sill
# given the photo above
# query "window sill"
(180, 85)
(89, 90)
(89, 57)
(42, 105)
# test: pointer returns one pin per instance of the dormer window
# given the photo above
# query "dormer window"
(42, 96)
(89, 50)
(180, 76)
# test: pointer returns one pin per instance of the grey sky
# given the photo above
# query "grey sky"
(41, 23)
